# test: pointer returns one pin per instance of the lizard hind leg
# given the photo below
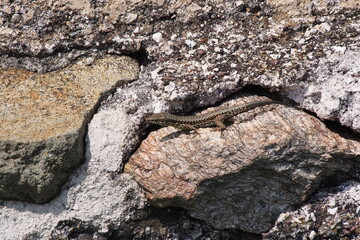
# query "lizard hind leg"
(219, 122)
(188, 127)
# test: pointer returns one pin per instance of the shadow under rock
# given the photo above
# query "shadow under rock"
(175, 135)
(173, 223)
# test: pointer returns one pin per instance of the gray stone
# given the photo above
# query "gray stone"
(335, 91)
(35, 171)
(332, 213)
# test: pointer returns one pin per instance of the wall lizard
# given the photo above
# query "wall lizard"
(213, 118)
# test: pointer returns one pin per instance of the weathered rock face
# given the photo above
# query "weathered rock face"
(43, 121)
(266, 163)
(205, 49)
(335, 91)
(331, 213)
(196, 53)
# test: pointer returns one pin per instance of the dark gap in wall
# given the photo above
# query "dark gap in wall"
(141, 56)
(334, 180)
(334, 126)
(261, 91)
(343, 131)
(168, 17)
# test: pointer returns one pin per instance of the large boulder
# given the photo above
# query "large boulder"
(268, 161)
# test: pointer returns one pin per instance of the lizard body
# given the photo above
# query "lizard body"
(213, 118)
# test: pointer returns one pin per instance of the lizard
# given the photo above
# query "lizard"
(213, 118)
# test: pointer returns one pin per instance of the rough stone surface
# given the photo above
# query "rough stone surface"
(333, 213)
(43, 120)
(269, 161)
(335, 91)
(212, 48)
(195, 53)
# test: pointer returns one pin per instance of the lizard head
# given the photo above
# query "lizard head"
(162, 119)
